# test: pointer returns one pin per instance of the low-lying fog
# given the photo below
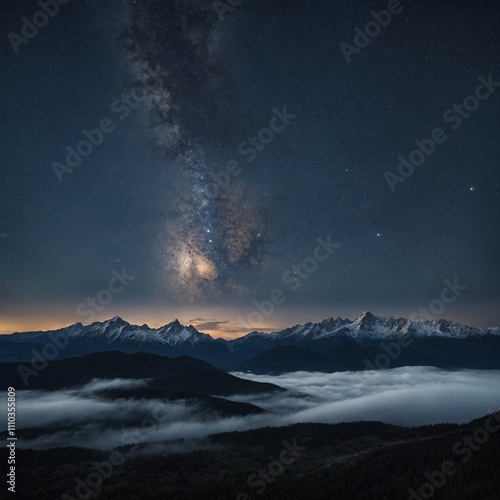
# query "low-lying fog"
(405, 396)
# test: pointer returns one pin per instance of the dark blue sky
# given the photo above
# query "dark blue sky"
(144, 199)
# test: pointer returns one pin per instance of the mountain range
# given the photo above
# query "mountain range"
(330, 345)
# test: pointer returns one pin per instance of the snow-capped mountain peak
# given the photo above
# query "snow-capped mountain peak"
(367, 326)
(118, 330)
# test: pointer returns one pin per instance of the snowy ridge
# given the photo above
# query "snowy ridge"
(370, 327)
(365, 327)
(118, 330)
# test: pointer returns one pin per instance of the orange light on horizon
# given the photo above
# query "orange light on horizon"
(226, 329)
(217, 321)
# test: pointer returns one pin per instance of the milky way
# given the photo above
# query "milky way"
(173, 53)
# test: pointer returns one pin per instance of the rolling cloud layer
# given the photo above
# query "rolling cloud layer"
(404, 396)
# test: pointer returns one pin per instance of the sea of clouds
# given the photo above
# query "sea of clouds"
(408, 396)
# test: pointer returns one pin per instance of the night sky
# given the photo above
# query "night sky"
(300, 139)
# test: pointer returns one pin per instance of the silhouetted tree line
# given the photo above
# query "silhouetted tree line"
(361, 461)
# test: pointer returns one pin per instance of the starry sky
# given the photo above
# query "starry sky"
(238, 169)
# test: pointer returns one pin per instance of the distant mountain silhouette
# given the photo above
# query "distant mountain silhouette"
(183, 374)
(351, 345)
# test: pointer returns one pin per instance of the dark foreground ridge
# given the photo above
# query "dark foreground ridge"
(183, 374)
(358, 461)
